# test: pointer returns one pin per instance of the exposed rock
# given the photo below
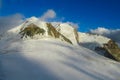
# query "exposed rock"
(111, 45)
(112, 49)
(31, 30)
(76, 35)
(54, 33)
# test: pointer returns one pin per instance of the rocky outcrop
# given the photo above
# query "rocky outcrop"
(31, 30)
(54, 33)
(76, 35)
(112, 49)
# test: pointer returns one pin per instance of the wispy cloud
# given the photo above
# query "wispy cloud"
(49, 14)
(113, 34)
(75, 25)
(8, 22)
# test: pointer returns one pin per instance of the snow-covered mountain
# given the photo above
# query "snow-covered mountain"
(62, 31)
(38, 50)
(92, 41)
(44, 30)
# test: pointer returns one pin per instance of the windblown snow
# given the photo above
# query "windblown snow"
(52, 59)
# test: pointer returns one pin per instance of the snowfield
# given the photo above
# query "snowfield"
(50, 59)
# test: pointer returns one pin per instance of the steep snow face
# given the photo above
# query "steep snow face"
(91, 41)
(69, 32)
(53, 60)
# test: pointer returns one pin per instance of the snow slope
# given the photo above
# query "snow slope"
(51, 59)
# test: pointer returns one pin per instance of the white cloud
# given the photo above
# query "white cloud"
(100, 30)
(113, 34)
(8, 22)
(50, 14)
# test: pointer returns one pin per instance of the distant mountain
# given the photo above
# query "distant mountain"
(91, 40)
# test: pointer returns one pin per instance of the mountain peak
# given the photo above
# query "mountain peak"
(32, 19)
(41, 30)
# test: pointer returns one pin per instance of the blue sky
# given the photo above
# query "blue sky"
(89, 14)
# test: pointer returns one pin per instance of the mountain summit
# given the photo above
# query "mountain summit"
(33, 28)
(34, 31)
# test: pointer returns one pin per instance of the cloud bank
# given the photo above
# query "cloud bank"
(113, 34)
(50, 14)
(8, 22)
